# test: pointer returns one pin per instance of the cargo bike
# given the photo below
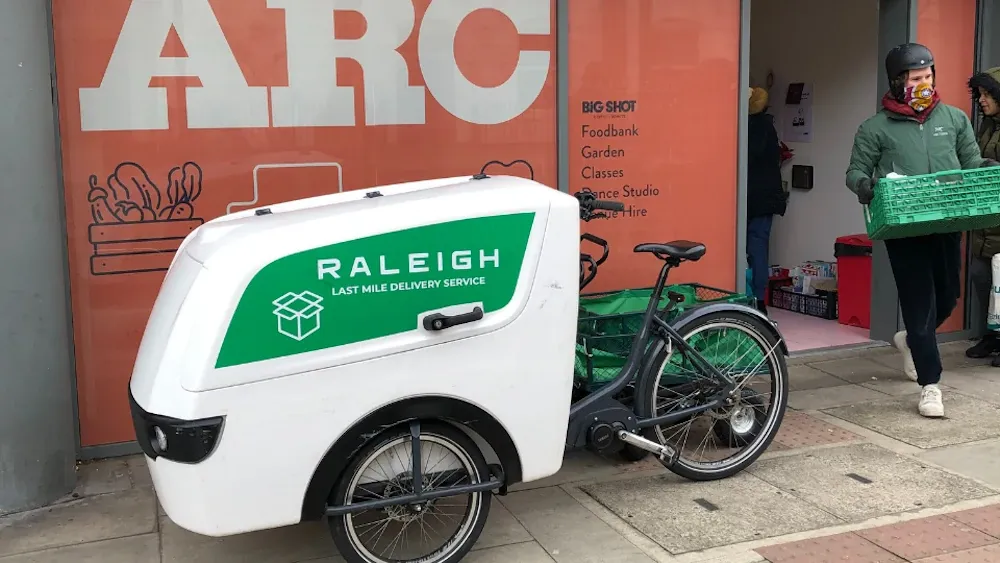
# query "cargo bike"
(391, 358)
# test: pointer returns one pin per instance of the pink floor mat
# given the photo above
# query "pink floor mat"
(803, 332)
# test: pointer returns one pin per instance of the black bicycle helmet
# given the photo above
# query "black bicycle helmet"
(904, 58)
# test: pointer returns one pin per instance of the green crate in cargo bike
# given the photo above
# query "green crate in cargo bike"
(945, 202)
(608, 323)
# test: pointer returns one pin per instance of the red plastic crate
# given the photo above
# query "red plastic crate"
(854, 279)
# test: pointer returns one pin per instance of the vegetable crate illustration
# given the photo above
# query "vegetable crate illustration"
(137, 227)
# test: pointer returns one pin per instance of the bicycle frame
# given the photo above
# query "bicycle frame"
(582, 412)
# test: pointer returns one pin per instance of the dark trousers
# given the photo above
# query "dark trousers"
(927, 270)
(758, 245)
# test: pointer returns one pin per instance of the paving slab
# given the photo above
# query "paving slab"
(804, 377)
(987, 554)
(818, 399)
(307, 541)
(877, 349)
(863, 481)
(829, 549)
(967, 419)
(952, 357)
(139, 471)
(985, 372)
(568, 531)
(97, 518)
(502, 528)
(683, 516)
(283, 545)
(859, 370)
(892, 360)
(955, 358)
(102, 477)
(529, 552)
(967, 384)
(135, 549)
(926, 537)
(980, 460)
(583, 465)
(986, 519)
(897, 387)
(521, 553)
(799, 430)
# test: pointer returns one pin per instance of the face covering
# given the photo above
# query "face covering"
(919, 97)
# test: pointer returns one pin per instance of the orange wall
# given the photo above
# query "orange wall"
(679, 63)
(948, 28)
(147, 158)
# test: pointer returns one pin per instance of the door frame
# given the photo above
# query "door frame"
(897, 24)
(985, 14)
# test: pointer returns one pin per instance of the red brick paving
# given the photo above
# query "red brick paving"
(926, 537)
(985, 519)
(829, 549)
(800, 430)
(987, 554)
(970, 536)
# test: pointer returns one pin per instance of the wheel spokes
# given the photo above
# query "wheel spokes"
(423, 531)
(722, 435)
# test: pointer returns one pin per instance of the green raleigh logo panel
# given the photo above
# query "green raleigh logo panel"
(375, 286)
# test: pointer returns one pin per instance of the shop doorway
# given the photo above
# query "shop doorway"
(820, 87)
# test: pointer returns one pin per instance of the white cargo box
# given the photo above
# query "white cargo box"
(279, 330)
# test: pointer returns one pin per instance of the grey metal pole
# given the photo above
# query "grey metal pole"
(37, 414)
(741, 148)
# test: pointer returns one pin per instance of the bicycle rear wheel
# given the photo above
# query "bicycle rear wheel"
(721, 442)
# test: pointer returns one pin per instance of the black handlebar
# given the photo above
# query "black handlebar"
(587, 276)
(589, 204)
(599, 242)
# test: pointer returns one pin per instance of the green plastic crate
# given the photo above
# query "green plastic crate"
(945, 202)
(609, 321)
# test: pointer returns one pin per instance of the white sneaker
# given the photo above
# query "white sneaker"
(908, 368)
(930, 401)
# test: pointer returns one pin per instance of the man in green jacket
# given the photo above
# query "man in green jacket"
(985, 88)
(915, 133)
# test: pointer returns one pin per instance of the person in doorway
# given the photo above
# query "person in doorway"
(915, 133)
(765, 196)
(985, 88)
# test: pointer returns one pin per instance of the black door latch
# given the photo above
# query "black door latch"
(439, 321)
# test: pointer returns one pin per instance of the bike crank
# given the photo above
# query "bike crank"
(666, 454)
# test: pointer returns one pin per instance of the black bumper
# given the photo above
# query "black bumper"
(187, 441)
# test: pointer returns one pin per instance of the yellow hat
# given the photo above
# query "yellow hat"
(758, 100)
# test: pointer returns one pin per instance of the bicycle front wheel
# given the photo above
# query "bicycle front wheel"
(441, 530)
(720, 442)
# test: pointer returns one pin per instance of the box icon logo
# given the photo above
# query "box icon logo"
(298, 314)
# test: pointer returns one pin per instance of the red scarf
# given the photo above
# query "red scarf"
(892, 104)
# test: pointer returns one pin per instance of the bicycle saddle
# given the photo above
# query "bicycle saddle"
(679, 249)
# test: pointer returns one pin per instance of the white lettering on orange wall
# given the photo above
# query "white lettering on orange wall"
(312, 97)
(462, 98)
(125, 101)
